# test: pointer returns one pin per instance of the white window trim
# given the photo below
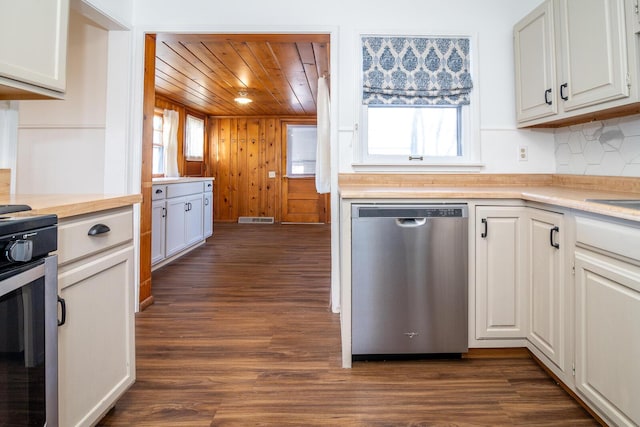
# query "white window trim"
(471, 159)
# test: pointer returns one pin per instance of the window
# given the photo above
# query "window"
(416, 132)
(158, 146)
(301, 150)
(194, 139)
(416, 94)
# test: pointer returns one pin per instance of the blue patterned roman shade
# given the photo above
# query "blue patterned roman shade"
(415, 71)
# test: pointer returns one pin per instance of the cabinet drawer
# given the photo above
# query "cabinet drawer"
(74, 240)
(612, 237)
(158, 192)
(184, 189)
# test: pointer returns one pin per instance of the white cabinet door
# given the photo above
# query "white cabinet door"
(34, 46)
(500, 273)
(158, 216)
(194, 219)
(535, 66)
(546, 284)
(593, 52)
(608, 335)
(208, 214)
(175, 225)
(96, 344)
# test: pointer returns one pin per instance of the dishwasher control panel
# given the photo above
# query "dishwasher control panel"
(409, 211)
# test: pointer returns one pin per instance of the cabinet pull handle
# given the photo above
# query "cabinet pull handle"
(557, 230)
(164, 212)
(158, 191)
(63, 311)
(416, 157)
(562, 95)
(486, 228)
(98, 229)
(546, 97)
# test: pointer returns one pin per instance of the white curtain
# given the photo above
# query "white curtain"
(170, 142)
(323, 148)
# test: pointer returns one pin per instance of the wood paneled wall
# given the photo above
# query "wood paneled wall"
(243, 150)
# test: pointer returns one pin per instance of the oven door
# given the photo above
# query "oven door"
(29, 344)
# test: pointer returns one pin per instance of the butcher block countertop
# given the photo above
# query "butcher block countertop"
(566, 191)
(66, 205)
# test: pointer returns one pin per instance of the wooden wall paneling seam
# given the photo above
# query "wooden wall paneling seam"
(253, 166)
(263, 170)
(243, 181)
(233, 169)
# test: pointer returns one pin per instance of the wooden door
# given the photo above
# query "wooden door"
(301, 202)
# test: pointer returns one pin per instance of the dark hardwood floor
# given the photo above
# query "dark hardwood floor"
(241, 334)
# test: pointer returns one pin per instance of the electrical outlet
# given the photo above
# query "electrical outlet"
(272, 174)
(523, 153)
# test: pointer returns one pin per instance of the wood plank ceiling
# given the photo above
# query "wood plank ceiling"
(206, 72)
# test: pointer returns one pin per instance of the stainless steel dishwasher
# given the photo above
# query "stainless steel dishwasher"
(409, 279)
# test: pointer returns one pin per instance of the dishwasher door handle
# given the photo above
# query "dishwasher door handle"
(410, 222)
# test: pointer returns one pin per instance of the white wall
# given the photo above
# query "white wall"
(61, 143)
(490, 21)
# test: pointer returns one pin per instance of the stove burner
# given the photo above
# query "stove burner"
(5, 209)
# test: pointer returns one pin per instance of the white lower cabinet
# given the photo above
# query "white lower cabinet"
(183, 223)
(158, 216)
(607, 359)
(546, 288)
(182, 217)
(96, 343)
(500, 272)
(208, 214)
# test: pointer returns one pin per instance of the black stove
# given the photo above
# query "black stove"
(25, 237)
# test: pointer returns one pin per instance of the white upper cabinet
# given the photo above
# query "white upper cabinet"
(34, 48)
(593, 52)
(535, 65)
(576, 61)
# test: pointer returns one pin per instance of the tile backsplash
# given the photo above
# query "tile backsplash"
(609, 147)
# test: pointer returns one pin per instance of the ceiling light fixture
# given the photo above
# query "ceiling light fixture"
(242, 98)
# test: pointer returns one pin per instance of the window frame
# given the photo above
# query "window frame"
(202, 118)
(158, 113)
(469, 130)
(289, 147)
